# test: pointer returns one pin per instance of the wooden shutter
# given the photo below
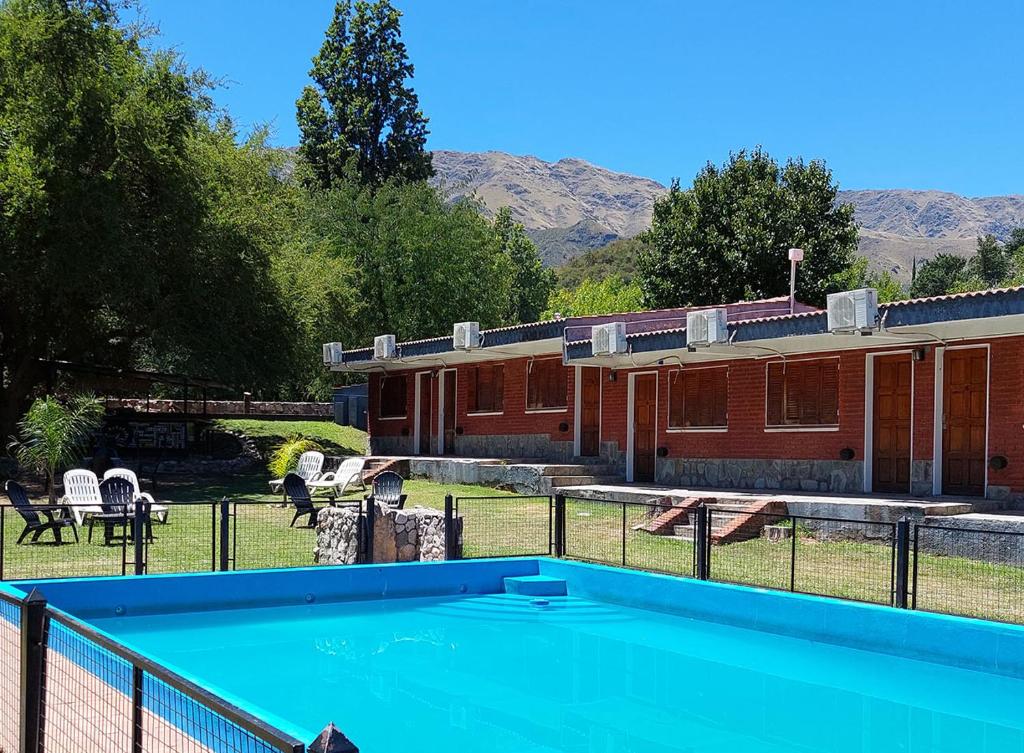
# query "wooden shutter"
(776, 391)
(532, 381)
(393, 396)
(472, 394)
(829, 412)
(498, 385)
(720, 394)
(676, 418)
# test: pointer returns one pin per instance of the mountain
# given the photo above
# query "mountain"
(568, 206)
(571, 206)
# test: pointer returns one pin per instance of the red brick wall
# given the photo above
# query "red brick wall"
(514, 418)
(747, 436)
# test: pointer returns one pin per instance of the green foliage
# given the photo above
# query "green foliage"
(995, 264)
(726, 238)
(608, 296)
(133, 232)
(531, 283)
(361, 108)
(938, 275)
(617, 258)
(267, 434)
(858, 275)
(53, 436)
(286, 456)
(418, 263)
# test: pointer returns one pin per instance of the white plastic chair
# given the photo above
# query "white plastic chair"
(310, 464)
(158, 511)
(82, 493)
(336, 483)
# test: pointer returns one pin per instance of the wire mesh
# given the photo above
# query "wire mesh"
(10, 673)
(56, 552)
(97, 699)
(969, 572)
(849, 559)
(630, 534)
(269, 536)
(87, 702)
(505, 526)
(185, 543)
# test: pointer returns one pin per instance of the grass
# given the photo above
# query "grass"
(498, 526)
(338, 440)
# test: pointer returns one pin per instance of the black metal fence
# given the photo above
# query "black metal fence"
(908, 564)
(66, 689)
(194, 537)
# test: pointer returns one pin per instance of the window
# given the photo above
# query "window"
(393, 397)
(803, 393)
(546, 384)
(486, 389)
(698, 398)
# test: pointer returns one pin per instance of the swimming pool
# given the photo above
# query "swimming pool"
(441, 657)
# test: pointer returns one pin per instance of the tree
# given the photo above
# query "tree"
(55, 436)
(418, 262)
(938, 275)
(858, 275)
(991, 264)
(608, 296)
(616, 258)
(726, 238)
(531, 282)
(361, 108)
(133, 233)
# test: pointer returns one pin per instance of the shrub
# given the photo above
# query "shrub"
(286, 455)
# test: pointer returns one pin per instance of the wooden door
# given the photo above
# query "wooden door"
(645, 402)
(964, 421)
(590, 411)
(423, 390)
(890, 461)
(448, 420)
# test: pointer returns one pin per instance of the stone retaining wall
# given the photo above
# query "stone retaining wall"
(255, 408)
(836, 476)
(413, 535)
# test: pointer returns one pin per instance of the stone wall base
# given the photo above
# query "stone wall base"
(413, 535)
(836, 476)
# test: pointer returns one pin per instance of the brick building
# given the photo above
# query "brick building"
(926, 401)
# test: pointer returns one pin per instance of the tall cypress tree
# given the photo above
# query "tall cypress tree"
(360, 108)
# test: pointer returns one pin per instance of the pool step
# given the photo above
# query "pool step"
(535, 585)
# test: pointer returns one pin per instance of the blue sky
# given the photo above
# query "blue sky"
(890, 94)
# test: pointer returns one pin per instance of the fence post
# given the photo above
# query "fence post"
(559, 525)
(369, 515)
(700, 541)
(139, 538)
(33, 671)
(225, 533)
(449, 527)
(902, 545)
(137, 705)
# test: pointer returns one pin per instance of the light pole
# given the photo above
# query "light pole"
(796, 255)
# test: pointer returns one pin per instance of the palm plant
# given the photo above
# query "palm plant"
(53, 435)
(286, 455)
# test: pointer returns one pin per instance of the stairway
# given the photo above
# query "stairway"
(578, 473)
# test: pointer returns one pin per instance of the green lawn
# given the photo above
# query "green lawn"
(338, 440)
(498, 525)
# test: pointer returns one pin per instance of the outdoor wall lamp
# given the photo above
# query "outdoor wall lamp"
(613, 376)
(847, 453)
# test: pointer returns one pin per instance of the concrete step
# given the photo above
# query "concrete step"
(589, 471)
(559, 481)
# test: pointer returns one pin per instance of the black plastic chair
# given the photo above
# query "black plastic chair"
(56, 518)
(387, 489)
(118, 502)
(295, 490)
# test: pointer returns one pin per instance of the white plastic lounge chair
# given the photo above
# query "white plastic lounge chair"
(335, 483)
(158, 511)
(309, 467)
(82, 493)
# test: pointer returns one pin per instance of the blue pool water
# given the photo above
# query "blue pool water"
(499, 673)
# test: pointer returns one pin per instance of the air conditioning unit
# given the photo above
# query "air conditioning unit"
(466, 336)
(333, 354)
(707, 327)
(384, 348)
(608, 339)
(853, 310)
